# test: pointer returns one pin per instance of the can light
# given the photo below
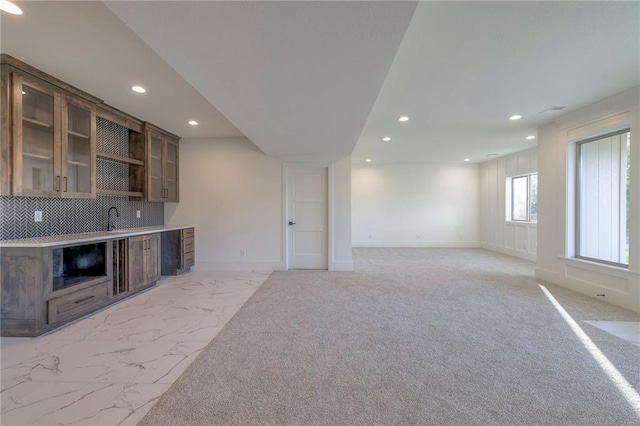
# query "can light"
(529, 138)
(10, 7)
(403, 118)
(193, 122)
(368, 160)
(386, 139)
(467, 159)
(138, 89)
(515, 117)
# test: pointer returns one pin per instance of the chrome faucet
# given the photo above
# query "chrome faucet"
(110, 225)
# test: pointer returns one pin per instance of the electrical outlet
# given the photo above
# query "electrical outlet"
(243, 253)
(37, 216)
(138, 215)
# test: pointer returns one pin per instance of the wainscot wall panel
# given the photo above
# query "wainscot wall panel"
(513, 238)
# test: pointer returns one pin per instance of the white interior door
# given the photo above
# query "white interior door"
(307, 217)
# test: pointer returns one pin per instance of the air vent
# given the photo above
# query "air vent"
(492, 155)
(553, 109)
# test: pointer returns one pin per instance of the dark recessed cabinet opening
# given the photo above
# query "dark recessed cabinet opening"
(77, 264)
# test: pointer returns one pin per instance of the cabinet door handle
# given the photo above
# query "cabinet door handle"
(57, 185)
(65, 184)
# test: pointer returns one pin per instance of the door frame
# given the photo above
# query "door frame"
(285, 204)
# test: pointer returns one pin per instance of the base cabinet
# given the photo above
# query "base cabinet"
(43, 288)
(144, 261)
(178, 251)
(79, 302)
(23, 296)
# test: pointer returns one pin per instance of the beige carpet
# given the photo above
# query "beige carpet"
(413, 336)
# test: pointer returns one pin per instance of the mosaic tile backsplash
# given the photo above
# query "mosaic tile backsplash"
(71, 216)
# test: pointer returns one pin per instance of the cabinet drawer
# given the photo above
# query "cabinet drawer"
(188, 233)
(189, 260)
(77, 303)
(187, 245)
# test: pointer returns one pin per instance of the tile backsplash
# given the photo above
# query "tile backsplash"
(71, 216)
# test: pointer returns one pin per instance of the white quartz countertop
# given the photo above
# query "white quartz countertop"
(87, 237)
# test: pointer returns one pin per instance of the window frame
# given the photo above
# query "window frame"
(510, 180)
(577, 199)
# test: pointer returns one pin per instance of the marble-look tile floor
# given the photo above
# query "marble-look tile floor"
(111, 367)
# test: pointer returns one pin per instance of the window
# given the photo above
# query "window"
(602, 198)
(522, 198)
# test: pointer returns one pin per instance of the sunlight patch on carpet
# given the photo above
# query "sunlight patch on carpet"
(623, 386)
(627, 330)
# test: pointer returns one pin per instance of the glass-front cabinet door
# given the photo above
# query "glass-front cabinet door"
(36, 112)
(78, 148)
(171, 172)
(54, 140)
(155, 161)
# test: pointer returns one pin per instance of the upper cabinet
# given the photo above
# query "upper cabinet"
(162, 165)
(49, 149)
(51, 138)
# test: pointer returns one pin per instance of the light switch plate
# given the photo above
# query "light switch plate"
(37, 216)
(138, 214)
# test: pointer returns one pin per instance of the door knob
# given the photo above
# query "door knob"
(291, 223)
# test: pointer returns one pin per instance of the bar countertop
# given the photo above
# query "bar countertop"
(88, 237)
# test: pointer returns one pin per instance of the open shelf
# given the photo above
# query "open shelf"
(120, 159)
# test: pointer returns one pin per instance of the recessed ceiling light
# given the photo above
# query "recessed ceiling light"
(9, 7)
(368, 160)
(467, 159)
(138, 89)
(515, 117)
(386, 139)
(403, 118)
(530, 137)
(492, 155)
(193, 122)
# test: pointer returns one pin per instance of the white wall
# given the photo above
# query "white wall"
(513, 238)
(555, 261)
(341, 226)
(233, 193)
(415, 205)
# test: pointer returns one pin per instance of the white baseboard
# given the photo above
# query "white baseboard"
(342, 266)
(238, 266)
(417, 244)
(629, 300)
(510, 252)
